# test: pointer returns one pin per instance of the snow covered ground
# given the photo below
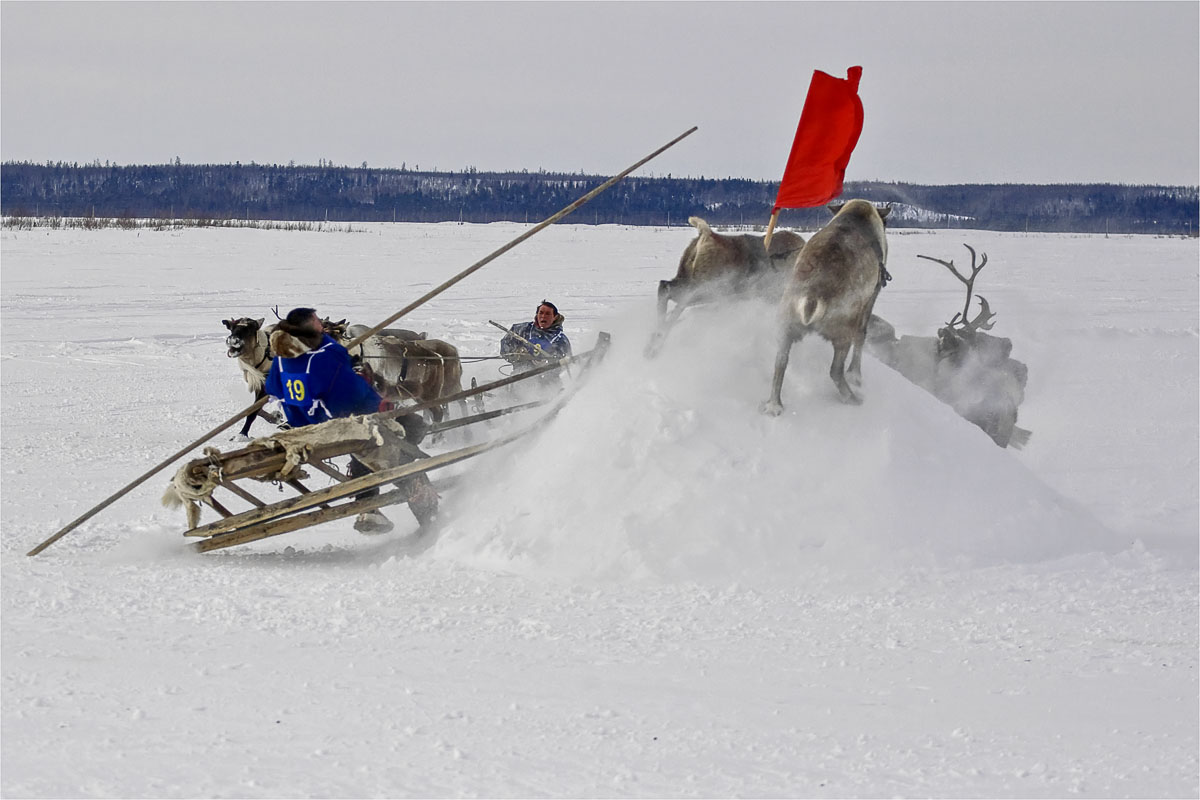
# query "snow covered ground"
(662, 593)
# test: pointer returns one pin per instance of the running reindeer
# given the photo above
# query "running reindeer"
(715, 265)
(832, 291)
(250, 343)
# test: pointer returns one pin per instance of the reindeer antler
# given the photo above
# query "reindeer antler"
(982, 321)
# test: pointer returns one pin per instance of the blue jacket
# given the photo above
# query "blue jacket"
(320, 385)
(554, 342)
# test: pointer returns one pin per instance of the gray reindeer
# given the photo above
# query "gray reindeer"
(832, 290)
(717, 265)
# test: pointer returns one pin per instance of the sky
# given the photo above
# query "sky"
(953, 92)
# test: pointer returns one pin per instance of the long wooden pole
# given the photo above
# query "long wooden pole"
(416, 303)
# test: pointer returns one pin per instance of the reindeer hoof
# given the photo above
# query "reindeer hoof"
(771, 408)
(851, 399)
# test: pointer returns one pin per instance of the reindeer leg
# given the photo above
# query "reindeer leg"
(245, 432)
(860, 342)
(774, 405)
(854, 372)
(660, 334)
(666, 322)
(664, 294)
(837, 371)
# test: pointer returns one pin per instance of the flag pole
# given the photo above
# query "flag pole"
(770, 230)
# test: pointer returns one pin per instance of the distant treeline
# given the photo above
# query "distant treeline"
(361, 194)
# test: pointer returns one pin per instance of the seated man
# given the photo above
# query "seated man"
(312, 374)
(537, 343)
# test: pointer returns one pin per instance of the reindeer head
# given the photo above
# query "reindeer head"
(983, 321)
(243, 332)
(335, 329)
(883, 211)
(959, 331)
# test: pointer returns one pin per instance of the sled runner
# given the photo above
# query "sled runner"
(387, 442)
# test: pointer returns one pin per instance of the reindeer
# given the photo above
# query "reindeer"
(832, 291)
(716, 265)
(404, 365)
(249, 342)
(974, 372)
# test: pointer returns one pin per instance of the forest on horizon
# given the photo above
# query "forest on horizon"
(362, 194)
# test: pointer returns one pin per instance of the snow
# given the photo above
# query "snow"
(660, 593)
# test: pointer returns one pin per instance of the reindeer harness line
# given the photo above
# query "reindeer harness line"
(258, 404)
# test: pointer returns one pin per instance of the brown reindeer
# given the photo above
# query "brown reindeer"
(832, 290)
(409, 366)
(716, 265)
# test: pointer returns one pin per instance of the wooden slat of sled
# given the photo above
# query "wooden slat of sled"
(242, 493)
(264, 530)
(257, 462)
(328, 470)
(460, 422)
(301, 488)
(213, 503)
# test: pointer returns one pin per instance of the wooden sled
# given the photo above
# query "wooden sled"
(387, 443)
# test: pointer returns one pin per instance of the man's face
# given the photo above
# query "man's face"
(544, 317)
(314, 322)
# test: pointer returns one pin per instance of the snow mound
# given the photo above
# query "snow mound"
(664, 469)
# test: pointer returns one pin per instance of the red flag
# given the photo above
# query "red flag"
(829, 128)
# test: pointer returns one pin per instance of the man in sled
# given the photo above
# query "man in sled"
(533, 344)
(313, 376)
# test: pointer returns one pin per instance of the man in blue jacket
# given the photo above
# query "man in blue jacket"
(312, 373)
(313, 376)
(534, 344)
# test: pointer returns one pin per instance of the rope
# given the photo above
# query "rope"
(439, 358)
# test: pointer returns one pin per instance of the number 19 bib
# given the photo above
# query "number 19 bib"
(295, 391)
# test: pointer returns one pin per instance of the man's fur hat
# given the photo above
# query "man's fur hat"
(290, 341)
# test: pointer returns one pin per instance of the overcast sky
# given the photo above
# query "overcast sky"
(954, 92)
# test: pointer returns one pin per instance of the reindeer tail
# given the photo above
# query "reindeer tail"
(809, 309)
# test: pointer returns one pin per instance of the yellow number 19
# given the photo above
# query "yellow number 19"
(296, 389)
